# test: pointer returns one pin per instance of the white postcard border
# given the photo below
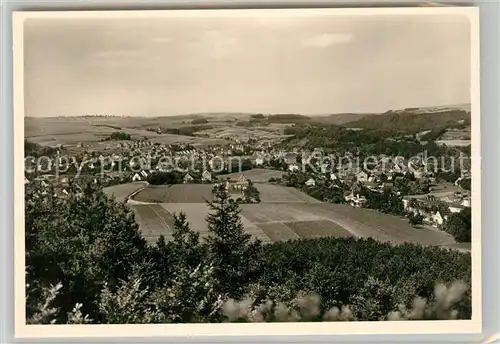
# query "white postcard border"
(22, 330)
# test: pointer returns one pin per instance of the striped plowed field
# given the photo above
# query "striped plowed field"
(278, 231)
(285, 217)
(153, 221)
(282, 194)
(156, 219)
(317, 229)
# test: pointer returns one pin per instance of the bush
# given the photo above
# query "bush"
(82, 242)
(119, 136)
(459, 225)
(199, 121)
(165, 178)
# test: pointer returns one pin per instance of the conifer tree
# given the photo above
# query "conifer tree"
(232, 251)
(184, 251)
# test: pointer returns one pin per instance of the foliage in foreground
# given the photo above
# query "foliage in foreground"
(90, 248)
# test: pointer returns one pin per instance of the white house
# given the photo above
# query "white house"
(397, 168)
(259, 161)
(310, 182)
(465, 202)
(206, 176)
(437, 219)
(362, 176)
(144, 174)
(456, 208)
(241, 183)
(188, 178)
(293, 167)
(136, 177)
(333, 176)
(355, 200)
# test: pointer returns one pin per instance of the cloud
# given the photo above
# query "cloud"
(326, 39)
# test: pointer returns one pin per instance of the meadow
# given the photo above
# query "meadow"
(122, 191)
(256, 175)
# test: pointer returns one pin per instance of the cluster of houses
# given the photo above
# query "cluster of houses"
(137, 160)
(59, 185)
(382, 168)
(435, 208)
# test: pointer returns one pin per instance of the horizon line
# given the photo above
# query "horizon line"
(271, 114)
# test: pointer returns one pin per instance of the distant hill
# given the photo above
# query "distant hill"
(288, 118)
(415, 119)
(341, 118)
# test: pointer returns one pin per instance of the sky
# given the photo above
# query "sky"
(303, 65)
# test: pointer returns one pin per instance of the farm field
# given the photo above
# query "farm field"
(283, 215)
(280, 222)
(200, 193)
(256, 175)
(181, 139)
(239, 132)
(369, 223)
(157, 219)
(454, 143)
(122, 191)
(278, 231)
(282, 194)
(69, 131)
(180, 193)
(153, 221)
(317, 229)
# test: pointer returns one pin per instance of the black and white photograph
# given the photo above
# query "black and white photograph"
(241, 167)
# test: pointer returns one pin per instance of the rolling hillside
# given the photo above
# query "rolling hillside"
(415, 119)
(341, 118)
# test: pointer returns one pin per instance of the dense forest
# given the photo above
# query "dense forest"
(410, 121)
(86, 262)
(288, 118)
(362, 142)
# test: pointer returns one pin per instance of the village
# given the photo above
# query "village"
(424, 194)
